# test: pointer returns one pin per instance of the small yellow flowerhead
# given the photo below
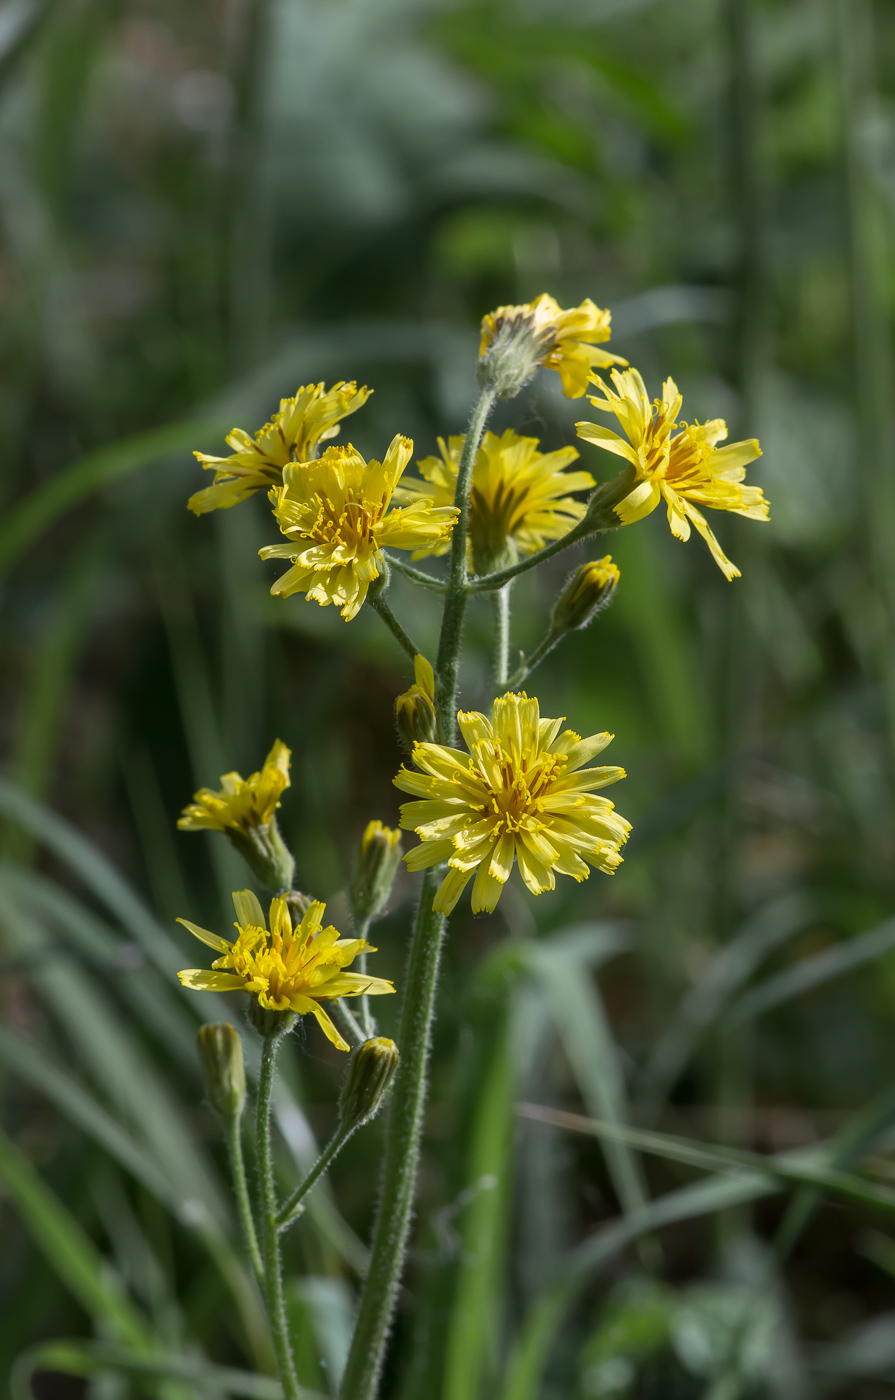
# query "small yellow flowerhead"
(378, 857)
(244, 811)
(517, 339)
(284, 969)
(521, 793)
(415, 709)
(292, 435)
(676, 462)
(587, 592)
(520, 497)
(336, 515)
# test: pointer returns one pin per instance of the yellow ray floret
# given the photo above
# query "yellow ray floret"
(292, 435)
(286, 969)
(521, 792)
(567, 340)
(520, 496)
(335, 513)
(679, 463)
(241, 803)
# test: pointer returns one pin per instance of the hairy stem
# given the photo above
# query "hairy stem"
(367, 1019)
(419, 576)
(378, 602)
(458, 587)
(241, 1191)
(273, 1268)
(293, 1207)
(544, 647)
(402, 1152)
(500, 607)
(350, 1023)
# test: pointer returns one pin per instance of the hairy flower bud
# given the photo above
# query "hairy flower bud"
(415, 709)
(220, 1051)
(269, 1022)
(370, 1071)
(378, 858)
(587, 592)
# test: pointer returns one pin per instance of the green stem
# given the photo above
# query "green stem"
(401, 1152)
(361, 929)
(417, 575)
(489, 583)
(350, 1022)
(378, 602)
(241, 1191)
(273, 1269)
(544, 647)
(500, 606)
(293, 1207)
(458, 587)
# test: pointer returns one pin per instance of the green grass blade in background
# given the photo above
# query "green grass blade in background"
(29, 519)
(813, 972)
(732, 966)
(564, 966)
(70, 1253)
(471, 1363)
(89, 1359)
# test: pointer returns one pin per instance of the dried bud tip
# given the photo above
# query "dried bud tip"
(220, 1051)
(587, 592)
(370, 1071)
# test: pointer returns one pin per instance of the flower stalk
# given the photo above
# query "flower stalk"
(273, 1268)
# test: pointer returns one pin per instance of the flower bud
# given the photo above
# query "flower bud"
(370, 1071)
(415, 709)
(586, 593)
(375, 868)
(220, 1051)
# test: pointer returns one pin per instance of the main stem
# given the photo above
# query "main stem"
(241, 1191)
(500, 606)
(448, 659)
(402, 1148)
(273, 1269)
(402, 1152)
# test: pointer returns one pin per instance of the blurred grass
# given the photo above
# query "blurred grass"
(201, 207)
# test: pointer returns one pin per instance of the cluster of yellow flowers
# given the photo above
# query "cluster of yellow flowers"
(521, 792)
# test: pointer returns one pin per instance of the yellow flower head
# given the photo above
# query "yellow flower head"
(675, 462)
(242, 803)
(335, 514)
(560, 340)
(520, 497)
(286, 969)
(521, 791)
(292, 435)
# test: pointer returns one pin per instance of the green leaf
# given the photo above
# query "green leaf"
(70, 1253)
(87, 1359)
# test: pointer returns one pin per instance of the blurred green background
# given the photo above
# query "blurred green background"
(204, 205)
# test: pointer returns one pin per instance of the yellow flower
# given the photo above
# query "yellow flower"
(560, 340)
(521, 791)
(242, 803)
(335, 514)
(286, 969)
(520, 497)
(292, 435)
(676, 462)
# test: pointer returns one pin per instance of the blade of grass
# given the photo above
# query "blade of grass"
(475, 1315)
(812, 972)
(89, 1359)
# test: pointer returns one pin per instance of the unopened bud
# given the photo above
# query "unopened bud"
(415, 709)
(220, 1051)
(370, 1071)
(586, 593)
(375, 868)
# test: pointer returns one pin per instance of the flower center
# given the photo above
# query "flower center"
(523, 788)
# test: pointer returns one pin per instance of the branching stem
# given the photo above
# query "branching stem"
(233, 1127)
(293, 1207)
